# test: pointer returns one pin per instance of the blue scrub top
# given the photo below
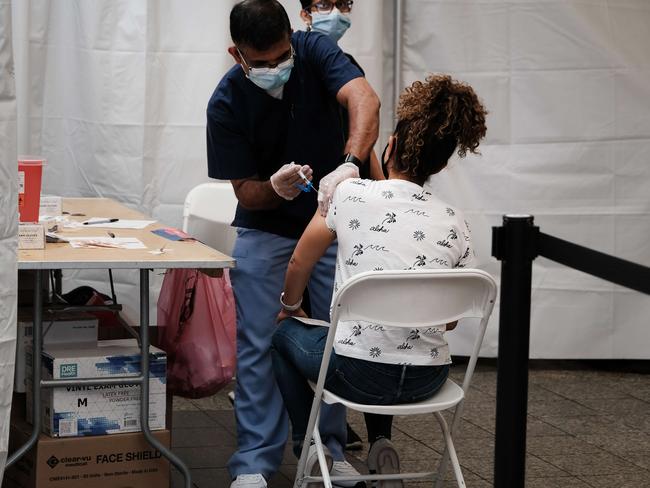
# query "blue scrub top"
(252, 134)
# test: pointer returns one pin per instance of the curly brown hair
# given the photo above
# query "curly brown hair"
(436, 117)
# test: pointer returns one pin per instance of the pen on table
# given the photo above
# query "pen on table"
(103, 221)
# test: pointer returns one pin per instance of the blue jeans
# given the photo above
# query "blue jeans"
(262, 425)
(297, 351)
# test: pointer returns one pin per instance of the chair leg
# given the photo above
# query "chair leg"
(320, 452)
(302, 462)
(300, 469)
(451, 452)
(312, 434)
(442, 468)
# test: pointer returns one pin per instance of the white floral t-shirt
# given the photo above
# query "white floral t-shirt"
(391, 225)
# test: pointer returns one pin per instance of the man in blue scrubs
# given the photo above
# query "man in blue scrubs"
(279, 105)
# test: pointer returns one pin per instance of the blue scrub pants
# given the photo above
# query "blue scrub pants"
(258, 280)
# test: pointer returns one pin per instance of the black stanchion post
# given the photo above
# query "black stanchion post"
(514, 244)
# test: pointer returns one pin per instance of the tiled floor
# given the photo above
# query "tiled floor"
(588, 426)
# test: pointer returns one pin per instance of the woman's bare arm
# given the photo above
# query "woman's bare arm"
(310, 248)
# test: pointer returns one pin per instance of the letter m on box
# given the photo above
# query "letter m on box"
(68, 371)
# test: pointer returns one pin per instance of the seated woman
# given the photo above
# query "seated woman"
(391, 224)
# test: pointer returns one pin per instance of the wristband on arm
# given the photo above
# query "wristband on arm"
(290, 308)
(350, 158)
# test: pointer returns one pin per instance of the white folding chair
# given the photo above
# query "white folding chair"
(409, 299)
(208, 212)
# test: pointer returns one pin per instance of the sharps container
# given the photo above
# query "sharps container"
(30, 171)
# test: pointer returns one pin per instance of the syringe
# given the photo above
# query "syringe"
(308, 185)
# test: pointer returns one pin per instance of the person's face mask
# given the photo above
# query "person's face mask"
(334, 24)
(270, 78)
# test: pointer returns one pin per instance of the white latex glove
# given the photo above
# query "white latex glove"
(285, 179)
(329, 183)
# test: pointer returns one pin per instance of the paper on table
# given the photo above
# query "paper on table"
(120, 224)
(128, 224)
(308, 321)
(102, 242)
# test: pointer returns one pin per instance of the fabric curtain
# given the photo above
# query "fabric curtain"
(568, 141)
(8, 225)
(113, 94)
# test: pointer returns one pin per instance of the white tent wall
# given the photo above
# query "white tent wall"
(8, 226)
(568, 142)
(113, 93)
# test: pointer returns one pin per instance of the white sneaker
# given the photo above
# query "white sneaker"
(312, 468)
(383, 459)
(249, 481)
(343, 468)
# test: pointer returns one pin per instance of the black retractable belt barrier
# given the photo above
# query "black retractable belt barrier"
(616, 270)
(516, 244)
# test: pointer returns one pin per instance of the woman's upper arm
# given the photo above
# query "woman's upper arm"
(314, 241)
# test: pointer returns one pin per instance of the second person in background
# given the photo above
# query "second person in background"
(333, 19)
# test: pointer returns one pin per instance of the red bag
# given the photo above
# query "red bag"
(197, 320)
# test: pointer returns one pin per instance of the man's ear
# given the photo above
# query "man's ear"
(306, 17)
(232, 50)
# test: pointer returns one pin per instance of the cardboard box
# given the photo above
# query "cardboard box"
(65, 329)
(51, 206)
(31, 236)
(123, 460)
(102, 409)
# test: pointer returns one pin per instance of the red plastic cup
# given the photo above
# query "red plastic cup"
(30, 171)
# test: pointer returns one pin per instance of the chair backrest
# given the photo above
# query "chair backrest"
(414, 298)
(208, 212)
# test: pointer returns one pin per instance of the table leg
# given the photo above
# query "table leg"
(37, 345)
(58, 282)
(144, 399)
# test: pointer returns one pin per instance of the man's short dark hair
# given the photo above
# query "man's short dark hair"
(305, 3)
(259, 24)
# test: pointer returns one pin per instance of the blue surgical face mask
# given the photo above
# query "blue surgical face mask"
(334, 24)
(271, 78)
